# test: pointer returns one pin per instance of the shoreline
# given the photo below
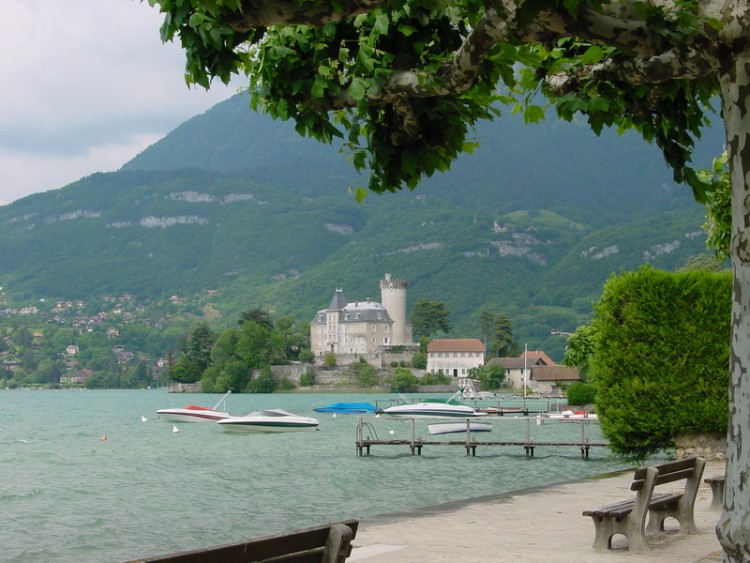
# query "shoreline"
(538, 524)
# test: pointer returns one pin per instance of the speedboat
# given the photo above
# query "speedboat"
(192, 413)
(457, 427)
(269, 420)
(569, 415)
(432, 410)
(195, 413)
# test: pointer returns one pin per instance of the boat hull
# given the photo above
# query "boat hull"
(270, 420)
(432, 410)
(267, 427)
(192, 415)
(458, 427)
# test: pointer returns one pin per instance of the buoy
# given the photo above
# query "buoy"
(103, 437)
(391, 432)
(334, 415)
(143, 418)
(175, 429)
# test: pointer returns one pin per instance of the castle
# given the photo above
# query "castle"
(362, 329)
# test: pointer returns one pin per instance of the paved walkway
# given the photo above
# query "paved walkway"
(541, 524)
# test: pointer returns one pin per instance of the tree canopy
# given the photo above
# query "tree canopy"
(498, 329)
(406, 80)
(428, 317)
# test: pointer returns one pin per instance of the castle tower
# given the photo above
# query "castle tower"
(393, 298)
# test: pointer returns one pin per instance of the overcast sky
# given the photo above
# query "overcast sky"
(87, 85)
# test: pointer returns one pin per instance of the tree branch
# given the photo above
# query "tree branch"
(654, 70)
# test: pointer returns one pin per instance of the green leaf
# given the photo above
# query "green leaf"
(358, 89)
(381, 24)
(533, 114)
(319, 87)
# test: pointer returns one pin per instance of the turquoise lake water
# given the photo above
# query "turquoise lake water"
(66, 495)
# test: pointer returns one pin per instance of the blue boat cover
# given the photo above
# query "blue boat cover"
(349, 408)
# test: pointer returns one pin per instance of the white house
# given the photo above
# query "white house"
(454, 356)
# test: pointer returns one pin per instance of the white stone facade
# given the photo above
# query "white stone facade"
(362, 328)
(454, 356)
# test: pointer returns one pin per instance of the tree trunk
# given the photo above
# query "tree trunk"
(733, 528)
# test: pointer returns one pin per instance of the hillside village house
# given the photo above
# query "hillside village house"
(538, 372)
(362, 329)
(454, 356)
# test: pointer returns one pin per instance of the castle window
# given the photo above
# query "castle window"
(356, 315)
(374, 328)
(380, 316)
(385, 328)
(346, 317)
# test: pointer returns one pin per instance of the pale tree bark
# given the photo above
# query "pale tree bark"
(733, 528)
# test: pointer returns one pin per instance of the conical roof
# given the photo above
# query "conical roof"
(338, 302)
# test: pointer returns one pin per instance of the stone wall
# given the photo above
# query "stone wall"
(175, 387)
(711, 447)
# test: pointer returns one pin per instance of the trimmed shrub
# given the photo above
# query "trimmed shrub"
(661, 357)
(580, 393)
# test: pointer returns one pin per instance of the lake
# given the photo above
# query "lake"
(66, 495)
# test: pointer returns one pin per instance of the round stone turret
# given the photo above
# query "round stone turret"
(393, 298)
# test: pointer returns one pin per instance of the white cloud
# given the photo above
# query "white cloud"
(87, 85)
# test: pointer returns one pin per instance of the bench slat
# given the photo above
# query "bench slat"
(668, 467)
(668, 473)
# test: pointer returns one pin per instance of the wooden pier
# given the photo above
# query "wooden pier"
(367, 437)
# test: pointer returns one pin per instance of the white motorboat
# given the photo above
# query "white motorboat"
(432, 410)
(457, 427)
(569, 415)
(196, 413)
(269, 420)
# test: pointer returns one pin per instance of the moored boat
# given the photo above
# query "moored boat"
(432, 410)
(269, 420)
(573, 415)
(348, 408)
(457, 427)
(195, 413)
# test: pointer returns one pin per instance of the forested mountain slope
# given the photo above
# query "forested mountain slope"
(530, 225)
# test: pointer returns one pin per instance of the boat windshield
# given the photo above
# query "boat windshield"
(275, 413)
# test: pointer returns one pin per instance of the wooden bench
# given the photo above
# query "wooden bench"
(628, 517)
(323, 544)
(717, 491)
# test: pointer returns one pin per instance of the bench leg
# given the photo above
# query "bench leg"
(338, 544)
(602, 533)
(717, 494)
(682, 514)
(606, 528)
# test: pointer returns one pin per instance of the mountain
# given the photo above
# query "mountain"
(531, 224)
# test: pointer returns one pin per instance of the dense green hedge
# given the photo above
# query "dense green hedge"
(661, 357)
